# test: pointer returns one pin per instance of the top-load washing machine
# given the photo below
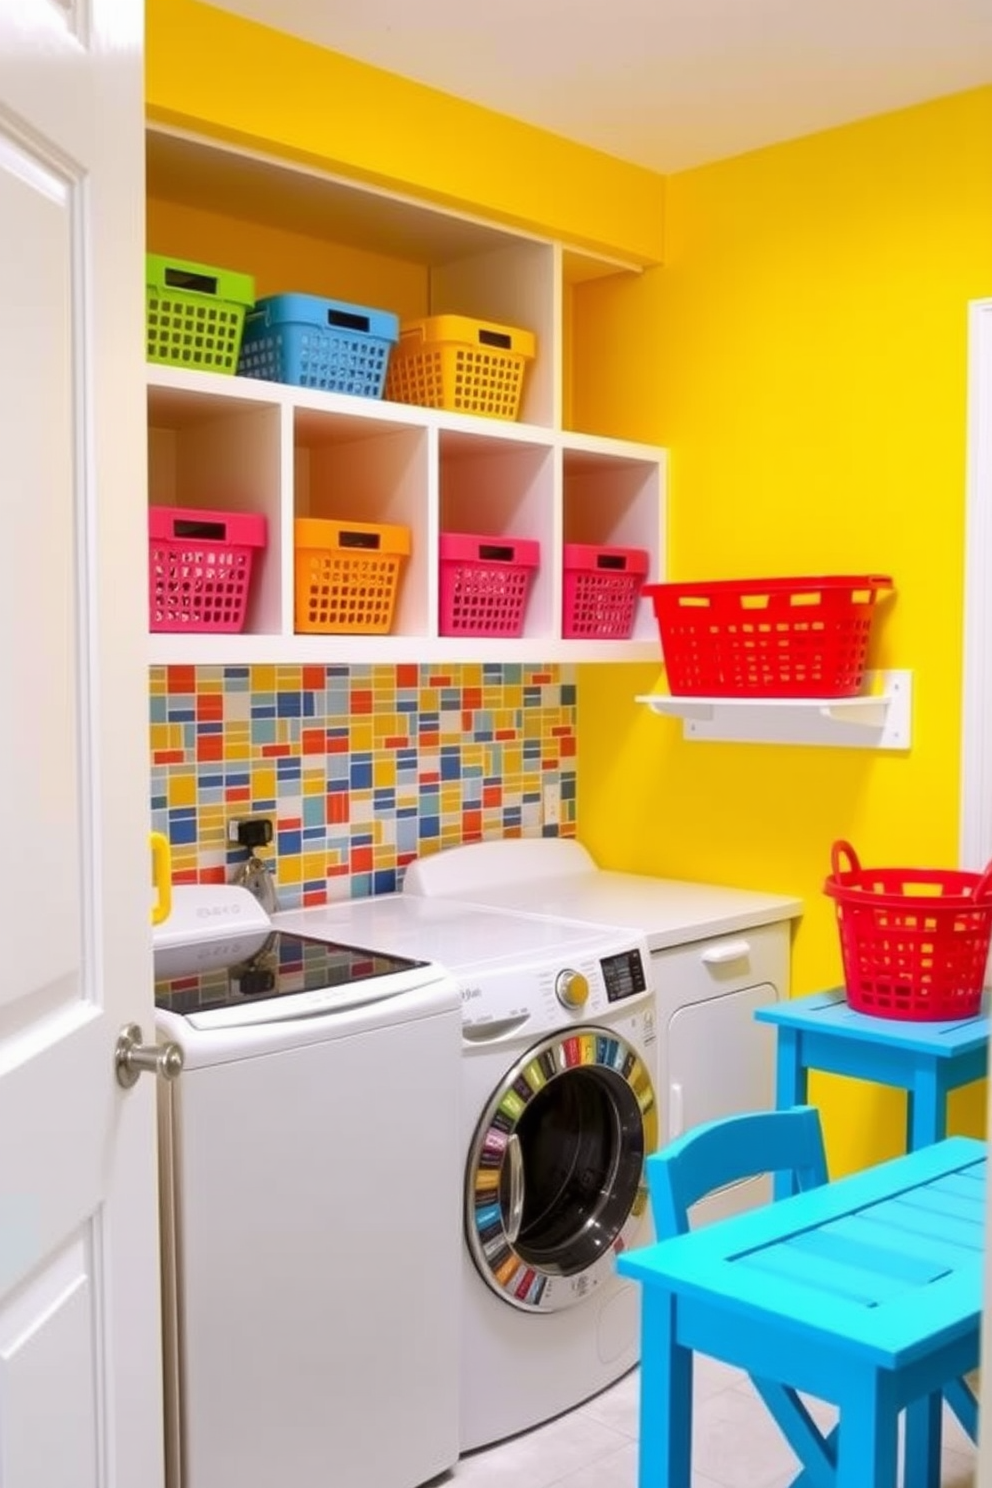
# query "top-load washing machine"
(717, 955)
(309, 1163)
(558, 1117)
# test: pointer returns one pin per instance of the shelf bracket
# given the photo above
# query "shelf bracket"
(879, 717)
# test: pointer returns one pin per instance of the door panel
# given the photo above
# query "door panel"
(720, 1061)
(47, 1357)
(80, 1392)
(37, 598)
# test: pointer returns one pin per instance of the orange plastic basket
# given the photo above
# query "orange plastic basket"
(347, 575)
(914, 942)
(801, 637)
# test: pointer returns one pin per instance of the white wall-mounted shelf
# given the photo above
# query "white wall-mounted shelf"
(233, 443)
(284, 452)
(880, 717)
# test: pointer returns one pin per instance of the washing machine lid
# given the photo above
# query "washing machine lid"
(273, 974)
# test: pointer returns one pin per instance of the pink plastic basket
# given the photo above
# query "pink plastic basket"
(199, 567)
(602, 587)
(485, 582)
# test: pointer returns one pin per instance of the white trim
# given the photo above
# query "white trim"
(976, 732)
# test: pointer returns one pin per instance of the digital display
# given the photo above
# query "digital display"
(624, 975)
(281, 965)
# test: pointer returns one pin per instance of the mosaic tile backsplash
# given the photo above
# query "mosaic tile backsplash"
(360, 769)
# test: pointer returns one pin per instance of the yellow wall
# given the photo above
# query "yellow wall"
(211, 72)
(806, 364)
(276, 258)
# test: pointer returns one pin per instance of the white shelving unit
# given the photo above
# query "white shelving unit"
(284, 452)
(880, 717)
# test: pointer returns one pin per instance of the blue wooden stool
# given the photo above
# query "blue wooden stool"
(925, 1059)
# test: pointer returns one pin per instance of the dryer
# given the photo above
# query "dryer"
(310, 1323)
(558, 1116)
(717, 955)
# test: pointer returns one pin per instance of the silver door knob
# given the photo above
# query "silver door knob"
(132, 1058)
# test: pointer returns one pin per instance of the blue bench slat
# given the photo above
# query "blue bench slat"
(834, 1243)
(917, 1221)
(935, 1249)
(853, 1283)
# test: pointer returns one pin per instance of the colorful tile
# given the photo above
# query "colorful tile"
(358, 768)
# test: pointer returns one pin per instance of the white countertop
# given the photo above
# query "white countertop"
(667, 911)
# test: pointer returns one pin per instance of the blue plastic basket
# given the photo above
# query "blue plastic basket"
(317, 343)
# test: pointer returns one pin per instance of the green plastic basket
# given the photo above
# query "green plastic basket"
(195, 313)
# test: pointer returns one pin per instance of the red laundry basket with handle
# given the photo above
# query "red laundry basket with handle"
(914, 941)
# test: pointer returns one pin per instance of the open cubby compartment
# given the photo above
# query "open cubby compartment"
(222, 453)
(367, 469)
(614, 496)
(356, 243)
(502, 488)
(604, 348)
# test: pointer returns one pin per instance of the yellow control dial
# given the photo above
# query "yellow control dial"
(571, 988)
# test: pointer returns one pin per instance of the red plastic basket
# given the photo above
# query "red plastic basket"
(602, 586)
(914, 941)
(199, 567)
(485, 582)
(803, 637)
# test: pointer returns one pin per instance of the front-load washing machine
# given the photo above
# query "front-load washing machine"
(718, 954)
(558, 1117)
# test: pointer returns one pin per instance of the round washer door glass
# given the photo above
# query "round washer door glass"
(555, 1181)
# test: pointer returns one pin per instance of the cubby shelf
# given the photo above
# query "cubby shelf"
(880, 717)
(231, 443)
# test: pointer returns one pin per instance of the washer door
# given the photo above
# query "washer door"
(555, 1182)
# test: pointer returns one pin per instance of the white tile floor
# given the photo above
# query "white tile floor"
(735, 1443)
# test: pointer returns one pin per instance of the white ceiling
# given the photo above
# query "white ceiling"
(664, 83)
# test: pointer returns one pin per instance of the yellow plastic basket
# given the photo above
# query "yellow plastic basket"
(347, 575)
(461, 365)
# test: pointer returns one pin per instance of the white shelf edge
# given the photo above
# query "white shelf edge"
(203, 649)
(165, 377)
(880, 717)
(232, 390)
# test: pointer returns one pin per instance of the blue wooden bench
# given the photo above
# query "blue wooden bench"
(866, 1292)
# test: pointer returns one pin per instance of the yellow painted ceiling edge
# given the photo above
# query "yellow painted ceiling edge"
(213, 73)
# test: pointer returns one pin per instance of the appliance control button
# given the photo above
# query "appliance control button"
(571, 988)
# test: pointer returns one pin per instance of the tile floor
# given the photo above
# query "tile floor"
(735, 1443)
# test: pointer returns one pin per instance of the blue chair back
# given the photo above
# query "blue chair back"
(726, 1151)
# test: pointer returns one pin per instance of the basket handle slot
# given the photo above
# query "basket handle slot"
(496, 338)
(359, 539)
(496, 552)
(189, 527)
(187, 279)
(838, 853)
(347, 320)
(611, 560)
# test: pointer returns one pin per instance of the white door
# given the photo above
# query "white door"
(80, 1395)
